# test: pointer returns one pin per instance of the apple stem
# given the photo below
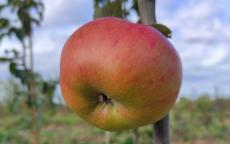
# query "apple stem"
(147, 9)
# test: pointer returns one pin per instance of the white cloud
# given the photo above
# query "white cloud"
(201, 36)
(61, 19)
(67, 12)
(225, 31)
(196, 10)
(214, 57)
(48, 40)
(48, 47)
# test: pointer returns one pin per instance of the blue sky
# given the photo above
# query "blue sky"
(201, 35)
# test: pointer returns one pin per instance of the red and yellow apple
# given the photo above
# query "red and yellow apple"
(119, 75)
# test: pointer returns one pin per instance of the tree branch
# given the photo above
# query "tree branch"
(147, 9)
(161, 131)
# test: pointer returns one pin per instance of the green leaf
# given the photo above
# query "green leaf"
(39, 8)
(18, 33)
(37, 5)
(96, 2)
(135, 6)
(15, 52)
(25, 19)
(37, 22)
(4, 59)
(113, 8)
(2, 6)
(163, 29)
(10, 1)
(23, 75)
(12, 67)
(129, 140)
(4, 23)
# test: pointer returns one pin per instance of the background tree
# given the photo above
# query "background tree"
(25, 14)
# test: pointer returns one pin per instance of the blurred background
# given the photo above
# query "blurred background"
(33, 32)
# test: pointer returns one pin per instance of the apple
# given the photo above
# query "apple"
(119, 75)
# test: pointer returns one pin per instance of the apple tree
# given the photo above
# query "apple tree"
(18, 19)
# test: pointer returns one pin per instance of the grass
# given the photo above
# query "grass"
(192, 122)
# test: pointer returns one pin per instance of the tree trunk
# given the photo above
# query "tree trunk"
(107, 137)
(136, 136)
(161, 131)
(32, 94)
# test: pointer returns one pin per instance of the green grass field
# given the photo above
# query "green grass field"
(191, 122)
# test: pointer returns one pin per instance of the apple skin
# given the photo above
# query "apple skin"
(119, 75)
